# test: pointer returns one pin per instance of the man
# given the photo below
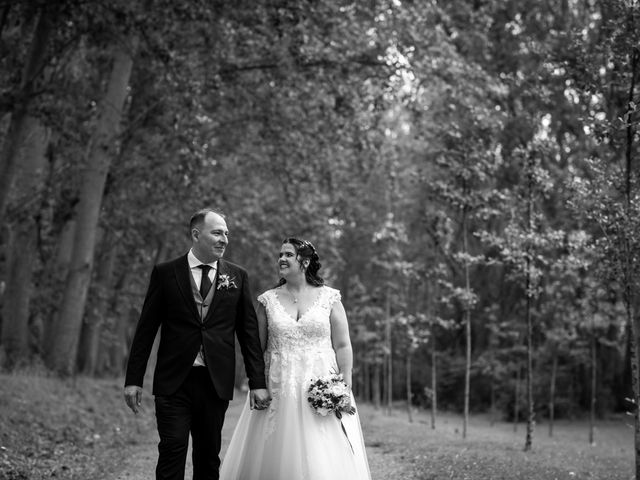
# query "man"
(200, 301)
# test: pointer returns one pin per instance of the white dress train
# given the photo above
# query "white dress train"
(289, 441)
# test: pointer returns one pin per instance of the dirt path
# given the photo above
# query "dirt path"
(385, 463)
(401, 450)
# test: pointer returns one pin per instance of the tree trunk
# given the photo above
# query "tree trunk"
(592, 409)
(376, 385)
(434, 383)
(19, 124)
(516, 401)
(389, 354)
(115, 352)
(22, 245)
(552, 390)
(529, 295)
(434, 353)
(66, 332)
(632, 321)
(15, 312)
(408, 386)
(58, 271)
(635, 379)
(492, 401)
(467, 323)
(529, 372)
(64, 251)
(92, 326)
(366, 371)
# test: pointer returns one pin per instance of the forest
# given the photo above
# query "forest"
(467, 170)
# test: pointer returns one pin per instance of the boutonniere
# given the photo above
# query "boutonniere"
(225, 282)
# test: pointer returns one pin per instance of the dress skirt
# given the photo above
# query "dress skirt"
(295, 443)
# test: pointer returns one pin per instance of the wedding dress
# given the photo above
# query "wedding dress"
(289, 441)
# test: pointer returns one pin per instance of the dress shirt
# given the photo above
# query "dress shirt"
(196, 272)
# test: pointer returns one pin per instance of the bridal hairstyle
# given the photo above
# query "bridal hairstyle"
(306, 251)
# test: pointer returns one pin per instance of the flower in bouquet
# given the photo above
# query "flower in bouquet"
(330, 394)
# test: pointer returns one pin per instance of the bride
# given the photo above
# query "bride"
(305, 335)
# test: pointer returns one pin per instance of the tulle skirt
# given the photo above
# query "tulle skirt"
(289, 441)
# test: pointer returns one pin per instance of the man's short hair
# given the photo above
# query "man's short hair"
(197, 219)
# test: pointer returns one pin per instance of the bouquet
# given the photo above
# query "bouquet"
(330, 395)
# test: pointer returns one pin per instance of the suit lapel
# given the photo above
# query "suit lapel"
(183, 277)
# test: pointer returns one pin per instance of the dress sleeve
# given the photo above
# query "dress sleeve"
(263, 298)
(333, 296)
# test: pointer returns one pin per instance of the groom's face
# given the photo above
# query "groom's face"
(210, 239)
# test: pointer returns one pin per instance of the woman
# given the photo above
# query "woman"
(305, 335)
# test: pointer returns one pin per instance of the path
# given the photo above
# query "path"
(401, 450)
(385, 464)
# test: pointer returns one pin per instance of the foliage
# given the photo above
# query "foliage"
(375, 130)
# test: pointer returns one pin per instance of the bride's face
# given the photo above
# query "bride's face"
(288, 263)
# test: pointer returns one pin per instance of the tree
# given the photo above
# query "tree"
(23, 238)
(66, 331)
(46, 15)
(468, 163)
(526, 245)
(612, 202)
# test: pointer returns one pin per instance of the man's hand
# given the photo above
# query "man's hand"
(133, 397)
(259, 399)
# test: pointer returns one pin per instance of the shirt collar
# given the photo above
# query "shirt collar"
(194, 262)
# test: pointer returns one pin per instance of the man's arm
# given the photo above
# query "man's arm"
(263, 331)
(248, 334)
(146, 330)
(252, 336)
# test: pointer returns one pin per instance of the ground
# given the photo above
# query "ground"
(81, 429)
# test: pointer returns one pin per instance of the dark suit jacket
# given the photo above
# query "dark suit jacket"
(170, 303)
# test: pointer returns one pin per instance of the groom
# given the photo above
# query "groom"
(200, 301)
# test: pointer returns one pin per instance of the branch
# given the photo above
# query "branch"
(323, 62)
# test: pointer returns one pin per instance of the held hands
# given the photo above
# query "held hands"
(133, 397)
(259, 399)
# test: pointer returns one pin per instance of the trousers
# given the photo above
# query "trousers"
(196, 409)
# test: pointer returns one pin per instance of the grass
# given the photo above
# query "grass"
(82, 430)
(62, 429)
(496, 452)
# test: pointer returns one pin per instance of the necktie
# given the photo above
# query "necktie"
(205, 283)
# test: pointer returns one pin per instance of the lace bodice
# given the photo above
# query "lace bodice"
(312, 330)
(298, 350)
